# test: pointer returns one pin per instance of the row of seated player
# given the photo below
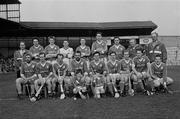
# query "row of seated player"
(115, 76)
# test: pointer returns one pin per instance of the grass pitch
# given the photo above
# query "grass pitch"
(162, 106)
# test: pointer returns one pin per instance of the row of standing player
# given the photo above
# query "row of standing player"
(98, 47)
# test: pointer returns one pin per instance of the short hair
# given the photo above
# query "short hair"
(139, 49)
(35, 38)
(99, 33)
(96, 53)
(51, 37)
(154, 33)
(60, 55)
(42, 53)
(22, 42)
(116, 38)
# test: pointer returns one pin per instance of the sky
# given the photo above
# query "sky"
(164, 13)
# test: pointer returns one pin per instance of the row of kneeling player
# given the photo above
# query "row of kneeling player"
(119, 78)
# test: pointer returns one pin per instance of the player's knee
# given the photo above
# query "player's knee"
(134, 78)
(48, 82)
(169, 80)
(54, 80)
(88, 80)
(156, 83)
(18, 80)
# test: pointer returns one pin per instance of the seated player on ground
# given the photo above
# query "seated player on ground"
(125, 70)
(44, 71)
(159, 75)
(113, 75)
(79, 63)
(28, 75)
(140, 67)
(98, 72)
(79, 85)
(59, 70)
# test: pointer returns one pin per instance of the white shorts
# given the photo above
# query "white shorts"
(99, 90)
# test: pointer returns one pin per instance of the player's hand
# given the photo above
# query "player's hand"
(85, 73)
(72, 74)
(139, 74)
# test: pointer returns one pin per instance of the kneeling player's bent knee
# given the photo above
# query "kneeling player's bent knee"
(169, 81)
(134, 78)
(54, 80)
(88, 80)
(156, 83)
(19, 80)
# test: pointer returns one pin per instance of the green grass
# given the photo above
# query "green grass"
(162, 106)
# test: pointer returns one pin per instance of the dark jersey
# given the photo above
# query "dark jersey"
(158, 70)
(28, 69)
(44, 69)
(141, 63)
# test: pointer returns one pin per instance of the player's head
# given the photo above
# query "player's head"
(60, 57)
(139, 51)
(22, 45)
(77, 56)
(28, 57)
(158, 59)
(154, 36)
(83, 41)
(96, 56)
(35, 41)
(65, 43)
(42, 56)
(132, 42)
(51, 40)
(112, 55)
(116, 40)
(79, 73)
(126, 54)
(98, 35)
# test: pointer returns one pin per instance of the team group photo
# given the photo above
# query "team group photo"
(89, 59)
(92, 72)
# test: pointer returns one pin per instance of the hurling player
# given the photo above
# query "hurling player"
(140, 67)
(125, 71)
(36, 49)
(113, 75)
(18, 57)
(28, 75)
(68, 53)
(44, 71)
(84, 49)
(59, 70)
(117, 48)
(79, 63)
(99, 45)
(51, 50)
(159, 74)
(98, 72)
(79, 82)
